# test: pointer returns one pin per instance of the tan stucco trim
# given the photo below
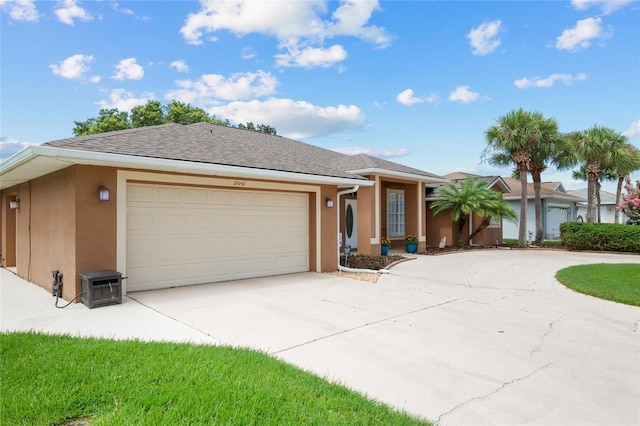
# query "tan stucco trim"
(125, 176)
(376, 202)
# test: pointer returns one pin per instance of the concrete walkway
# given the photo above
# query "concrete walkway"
(481, 337)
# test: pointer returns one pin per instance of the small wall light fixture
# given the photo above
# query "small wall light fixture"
(329, 202)
(103, 193)
(14, 204)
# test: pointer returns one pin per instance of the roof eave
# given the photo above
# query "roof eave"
(397, 174)
(50, 159)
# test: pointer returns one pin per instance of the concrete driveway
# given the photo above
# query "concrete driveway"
(481, 337)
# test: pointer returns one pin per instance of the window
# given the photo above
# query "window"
(395, 212)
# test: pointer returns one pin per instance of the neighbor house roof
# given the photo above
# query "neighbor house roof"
(202, 148)
(491, 181)
(605, 197)
(546, 191)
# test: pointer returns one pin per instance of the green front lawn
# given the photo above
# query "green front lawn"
(610, 281)
(54, 380)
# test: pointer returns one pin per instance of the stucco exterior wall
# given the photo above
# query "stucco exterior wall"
(439, 226)
(46, 231)
(95, 221)
(8, 230)
(329, 234)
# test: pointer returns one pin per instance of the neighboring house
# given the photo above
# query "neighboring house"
(441, 225)
(607, 207)
(174, 205)
(558, 206)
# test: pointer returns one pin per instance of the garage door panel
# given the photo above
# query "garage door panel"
(183, 235)
(169, 194)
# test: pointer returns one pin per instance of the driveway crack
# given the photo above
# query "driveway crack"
(348, 330)
(504, 385)
(542, 338)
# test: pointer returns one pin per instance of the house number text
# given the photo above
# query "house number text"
(239, 183)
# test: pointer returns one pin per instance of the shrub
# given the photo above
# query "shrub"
(600, 236)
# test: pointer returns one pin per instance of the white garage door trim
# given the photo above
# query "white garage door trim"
(241, 257)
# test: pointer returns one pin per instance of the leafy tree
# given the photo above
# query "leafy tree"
(108, 120)
(262, 128)
(597, 148)
(151, 114)
(605, 174)
(179, 112)
(471, 196)
(518, 138)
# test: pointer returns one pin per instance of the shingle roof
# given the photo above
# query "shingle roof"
(224, 145)
(214, 144)
(546, 190)
(605, 197)
(457, 177)
(364, 161)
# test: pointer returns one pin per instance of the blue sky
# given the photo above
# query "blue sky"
(416, 82)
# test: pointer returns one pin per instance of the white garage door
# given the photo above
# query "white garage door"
(556, 215)
(179, 235)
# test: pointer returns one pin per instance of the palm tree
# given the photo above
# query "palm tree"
(471, 196)
(545, 150)
(604, 174)
(496, 208)
(522, 138)
(597, 148)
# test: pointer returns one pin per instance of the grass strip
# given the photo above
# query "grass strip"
(54, 380)
(618, 282)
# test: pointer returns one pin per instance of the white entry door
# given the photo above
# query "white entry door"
(351, 223)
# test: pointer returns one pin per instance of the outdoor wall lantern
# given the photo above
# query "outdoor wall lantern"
(14, 204)
(103, 194)
(329, 202)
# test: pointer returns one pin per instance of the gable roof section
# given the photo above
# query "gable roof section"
(546, 191)
(363, 164)
(491, 181)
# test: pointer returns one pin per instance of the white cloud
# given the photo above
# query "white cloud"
(10, 146)
(180, 65)
(464, 94)
(68, 10)
(124, 101)
(248, 53)
(299, 26)
(294, 119)
(634, 129)
(73, 67)
(379, 153)
(607, 6)
(484, 39)
(406, 98)
(567, 79)
(309, 57)
(21, 10)
(211, 88)
(95, 79)
(128, 69)
(581, 36)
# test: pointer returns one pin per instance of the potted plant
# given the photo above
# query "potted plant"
(411, 243)
(385, 243)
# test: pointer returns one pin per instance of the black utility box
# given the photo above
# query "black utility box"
(100, 288)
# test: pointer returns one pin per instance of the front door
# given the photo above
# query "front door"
(351, 223)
